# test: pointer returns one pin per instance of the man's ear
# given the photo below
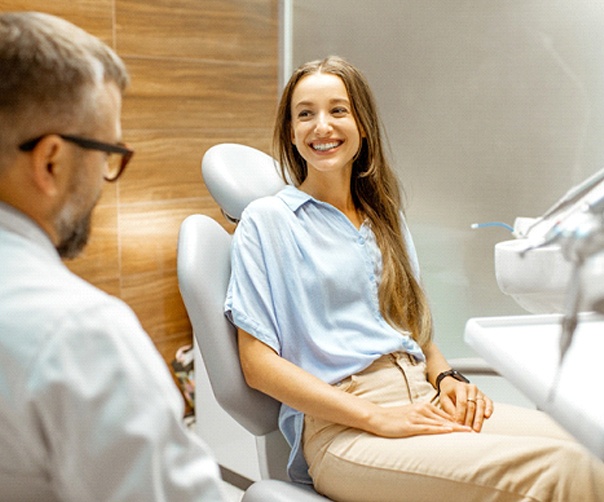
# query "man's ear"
(47, 158)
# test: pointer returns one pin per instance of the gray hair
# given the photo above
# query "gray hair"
(50, 72)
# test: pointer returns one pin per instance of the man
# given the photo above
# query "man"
(88, 410)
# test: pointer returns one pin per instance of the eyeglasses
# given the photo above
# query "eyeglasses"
(115, 163)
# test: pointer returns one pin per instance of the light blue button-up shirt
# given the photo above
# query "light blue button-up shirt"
(305, 281)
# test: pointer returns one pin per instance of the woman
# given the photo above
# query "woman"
(333, 323)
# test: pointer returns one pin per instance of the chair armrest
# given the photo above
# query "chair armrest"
(473, 366)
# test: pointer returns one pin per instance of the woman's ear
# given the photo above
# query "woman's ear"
(47, 158)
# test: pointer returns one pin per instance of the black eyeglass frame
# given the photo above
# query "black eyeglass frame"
(88, 144)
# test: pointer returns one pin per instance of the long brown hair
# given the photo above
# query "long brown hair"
(375, 191)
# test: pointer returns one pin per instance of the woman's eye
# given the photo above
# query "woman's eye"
(340, 111)
(304, 114)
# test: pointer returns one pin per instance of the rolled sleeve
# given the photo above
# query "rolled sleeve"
(249, 302)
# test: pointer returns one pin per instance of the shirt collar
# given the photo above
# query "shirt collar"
(16, 222)
(293, 197)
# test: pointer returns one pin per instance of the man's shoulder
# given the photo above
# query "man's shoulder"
(38, 294)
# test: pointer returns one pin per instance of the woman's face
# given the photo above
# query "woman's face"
(324, 129)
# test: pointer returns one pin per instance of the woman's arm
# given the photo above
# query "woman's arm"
(465, 402)
(268, 372)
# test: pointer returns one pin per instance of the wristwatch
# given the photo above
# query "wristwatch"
(452, 373)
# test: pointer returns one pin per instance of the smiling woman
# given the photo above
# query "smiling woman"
(326, 134)
(333, 323)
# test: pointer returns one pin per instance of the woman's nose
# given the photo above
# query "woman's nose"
(323, 124)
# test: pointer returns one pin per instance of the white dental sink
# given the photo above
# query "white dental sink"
(524, 349)
(537, 279)
(547, 281)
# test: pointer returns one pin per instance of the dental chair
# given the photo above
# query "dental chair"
(235, 175)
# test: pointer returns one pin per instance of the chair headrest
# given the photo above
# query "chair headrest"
(238, 174)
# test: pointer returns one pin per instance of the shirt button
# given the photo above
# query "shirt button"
(361, 240)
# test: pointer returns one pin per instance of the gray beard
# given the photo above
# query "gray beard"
(74, 237)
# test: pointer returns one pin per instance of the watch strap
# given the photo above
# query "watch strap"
(449, 373)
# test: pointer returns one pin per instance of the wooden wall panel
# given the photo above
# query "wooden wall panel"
(172, 94)
(95, 16)
(217, 30)
(203, 72)
(167, 165)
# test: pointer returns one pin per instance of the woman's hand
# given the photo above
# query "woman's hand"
(413, 420)
(465, 403)
(268, 372)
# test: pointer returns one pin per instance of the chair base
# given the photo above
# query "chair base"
(272, 490)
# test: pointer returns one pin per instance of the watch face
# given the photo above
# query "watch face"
(458, 376)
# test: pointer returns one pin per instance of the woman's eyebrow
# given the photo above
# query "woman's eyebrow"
(303, 103)
(331, 101)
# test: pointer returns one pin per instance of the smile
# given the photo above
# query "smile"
(323, 147)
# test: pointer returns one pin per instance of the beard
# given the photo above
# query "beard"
(74, 221)
(74, 236)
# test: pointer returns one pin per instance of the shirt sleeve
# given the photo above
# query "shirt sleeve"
(111, 416)
(249, 303)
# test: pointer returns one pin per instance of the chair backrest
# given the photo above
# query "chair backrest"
(235, 175)
(203, 267)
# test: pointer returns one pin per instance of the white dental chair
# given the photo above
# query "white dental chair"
(235, 175)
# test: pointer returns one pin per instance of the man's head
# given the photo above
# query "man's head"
(60, 87)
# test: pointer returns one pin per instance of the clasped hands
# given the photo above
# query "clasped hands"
(463, 408)
(465, 403)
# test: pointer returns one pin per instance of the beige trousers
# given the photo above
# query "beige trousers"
(520, 455)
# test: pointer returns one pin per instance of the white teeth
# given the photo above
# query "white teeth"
(325, 146)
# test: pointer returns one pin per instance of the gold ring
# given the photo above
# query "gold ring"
(471, 401)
